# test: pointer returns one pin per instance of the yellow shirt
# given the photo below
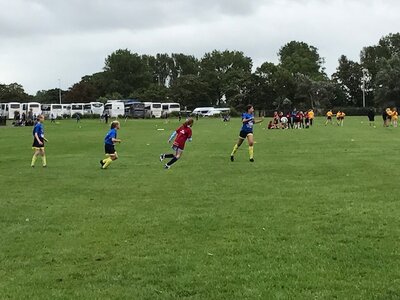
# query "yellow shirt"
(395, 115)
(342, 114)
(338, 114)
(311, 115)
(329, 114)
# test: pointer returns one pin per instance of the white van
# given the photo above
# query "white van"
(201, 111)
(154, 109)
(115, 109)
(168, 108)
(216, 111)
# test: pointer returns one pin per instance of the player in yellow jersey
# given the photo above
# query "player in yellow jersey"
(395, 116)
(329, 115)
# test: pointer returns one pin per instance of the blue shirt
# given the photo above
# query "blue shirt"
(247, 126)
(39, 129)
(110, 135)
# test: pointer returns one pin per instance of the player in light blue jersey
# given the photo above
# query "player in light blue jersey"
(246, 132)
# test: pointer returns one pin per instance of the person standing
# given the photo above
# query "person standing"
(371, 117)
(246, 132)
(38, 142)
(109, 142)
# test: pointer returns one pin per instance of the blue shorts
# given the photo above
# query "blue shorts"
(243, 134)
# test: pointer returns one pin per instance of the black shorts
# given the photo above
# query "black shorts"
(36, 144)
(329, 118)
(109, 149)
(243, 134)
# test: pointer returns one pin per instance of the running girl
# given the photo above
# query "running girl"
(109, 142)
(246, 132)
(182, 134)
(38, 141)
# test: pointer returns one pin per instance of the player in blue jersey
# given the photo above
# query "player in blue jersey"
(246, 132)
(109, 142)
(38, 141)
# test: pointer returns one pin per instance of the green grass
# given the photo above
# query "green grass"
(317, 216)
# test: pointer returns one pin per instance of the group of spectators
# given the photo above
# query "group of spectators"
(24, 119)
(292, 120)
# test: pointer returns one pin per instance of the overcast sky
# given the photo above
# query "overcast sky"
(42, 41)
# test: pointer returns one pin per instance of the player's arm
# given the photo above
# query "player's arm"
(247, 120)
(258, 121)
(38, 139)
(173, 135)
(114, 140)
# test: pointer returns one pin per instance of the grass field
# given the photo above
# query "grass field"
(316, 216)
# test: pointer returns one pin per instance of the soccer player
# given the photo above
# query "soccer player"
(182, 134)
(246, 132)
(329, 117)
(109, 142)
(38, 141)
(395, 117)
(341, 118)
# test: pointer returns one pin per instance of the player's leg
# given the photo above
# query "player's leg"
(34, 157)
(43, 154)
(250, 140)
(237, 145)
(178, 154)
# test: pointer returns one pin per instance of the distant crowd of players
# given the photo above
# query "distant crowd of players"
(292, 120)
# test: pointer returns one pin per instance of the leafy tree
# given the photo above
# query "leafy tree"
(349, 76)
(183, 65)
(153, 93)
(299, 57)
(190, 91)
(227, 74)
(126, 72)
(49, 96)
(388, 82)
(13, 92)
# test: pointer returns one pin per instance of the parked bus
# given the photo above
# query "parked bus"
(34, 106)
(168, 108)
(66, 109)
(12, 109)
(114, 108)
(87, 109)
(97, 108)
(153, 109)
(3, 109)
(76, 108)
(134, 109)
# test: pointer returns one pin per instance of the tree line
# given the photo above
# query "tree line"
(227, 79)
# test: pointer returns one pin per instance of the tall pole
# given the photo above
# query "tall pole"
(59, 89)
(364, 83)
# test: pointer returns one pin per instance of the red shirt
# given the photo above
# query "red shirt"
(183, 133)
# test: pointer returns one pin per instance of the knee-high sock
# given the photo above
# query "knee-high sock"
(168, 155)
(44, 161)
(251, 151)
(34, 157)
(234, 149)
(173, 160)
(107, 162)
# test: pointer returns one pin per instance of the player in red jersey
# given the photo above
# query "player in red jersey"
(182, 134)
